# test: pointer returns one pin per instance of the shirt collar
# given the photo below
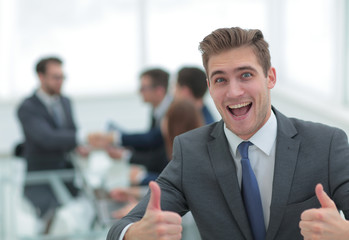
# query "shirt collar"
(264, 138)
(161, 109)
(48, 100)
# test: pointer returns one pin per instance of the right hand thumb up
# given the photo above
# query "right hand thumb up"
(156, 224)
(323, 198)
(155, 195)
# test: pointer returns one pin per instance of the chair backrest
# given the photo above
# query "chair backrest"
(19, 150)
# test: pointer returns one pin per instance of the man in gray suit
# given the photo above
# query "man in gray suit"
(288, 157)
(47, 120)
(49, 129)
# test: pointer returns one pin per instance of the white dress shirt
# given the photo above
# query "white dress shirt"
(262, 158)
(48, 101)
(160, 111)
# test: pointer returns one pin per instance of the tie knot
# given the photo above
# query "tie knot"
(243, 149)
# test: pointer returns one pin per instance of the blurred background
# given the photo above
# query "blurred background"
(105, 44)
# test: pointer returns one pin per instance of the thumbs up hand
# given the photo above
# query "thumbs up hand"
(156, 224)
(324, 223)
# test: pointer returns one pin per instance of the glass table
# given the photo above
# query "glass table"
(95, 175)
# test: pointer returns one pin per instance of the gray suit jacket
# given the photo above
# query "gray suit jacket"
(46, 145)
(202, 178)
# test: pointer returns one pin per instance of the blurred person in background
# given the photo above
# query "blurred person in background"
(191, 84)
(143, 151)
(49, 129)
(47, 120)
(182, 116)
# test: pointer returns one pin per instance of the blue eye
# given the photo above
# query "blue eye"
(246, 75)
(219, 80)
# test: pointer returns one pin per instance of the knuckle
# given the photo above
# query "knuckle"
(178, 219)
(158, 218)
(179, 236)
(317, 229)
(320, 215)
(160, 230)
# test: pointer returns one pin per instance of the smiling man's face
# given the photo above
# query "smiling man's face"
(240, 90)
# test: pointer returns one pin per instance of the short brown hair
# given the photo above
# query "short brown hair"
(42, 64)
(229, 38)
(159, 77)
(193, 78)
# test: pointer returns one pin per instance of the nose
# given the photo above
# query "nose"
(235, 89)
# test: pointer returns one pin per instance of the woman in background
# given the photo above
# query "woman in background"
(182, 116)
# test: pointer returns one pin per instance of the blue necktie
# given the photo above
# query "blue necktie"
(251, 195)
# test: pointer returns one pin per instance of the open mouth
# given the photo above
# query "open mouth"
(240, 109)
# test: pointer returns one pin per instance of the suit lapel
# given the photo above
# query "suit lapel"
(43, 108)
(225, 171)
(287, 149)
(285, 163)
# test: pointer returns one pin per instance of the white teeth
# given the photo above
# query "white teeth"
(240, 105)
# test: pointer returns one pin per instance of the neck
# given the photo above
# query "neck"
(48, 93)
(158, 101)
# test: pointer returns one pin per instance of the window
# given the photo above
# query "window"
(174, 30)
(105, 44)
(98, 41)
(312, 48)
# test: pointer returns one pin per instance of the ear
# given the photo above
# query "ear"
(208, 85)
(271, 78)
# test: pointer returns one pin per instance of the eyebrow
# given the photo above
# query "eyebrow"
(245, 68)
(216, 73)
(239, 69)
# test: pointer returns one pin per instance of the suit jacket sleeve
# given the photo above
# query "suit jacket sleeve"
(155, 160)
(339, 171)
(40, 129)
(172, 198)
(151, 139)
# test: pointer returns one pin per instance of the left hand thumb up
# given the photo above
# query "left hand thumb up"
(323, 198)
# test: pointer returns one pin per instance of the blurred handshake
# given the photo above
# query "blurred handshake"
(101, 140)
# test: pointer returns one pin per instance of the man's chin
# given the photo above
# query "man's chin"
(239, 131)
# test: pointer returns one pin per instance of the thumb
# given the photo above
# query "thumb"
(154, 201)
(323, 198)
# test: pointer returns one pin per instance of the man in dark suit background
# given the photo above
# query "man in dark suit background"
(47, 120)
(151, 154)
(49, 129)
(190, 85)
(154, 90)
(298, 166)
